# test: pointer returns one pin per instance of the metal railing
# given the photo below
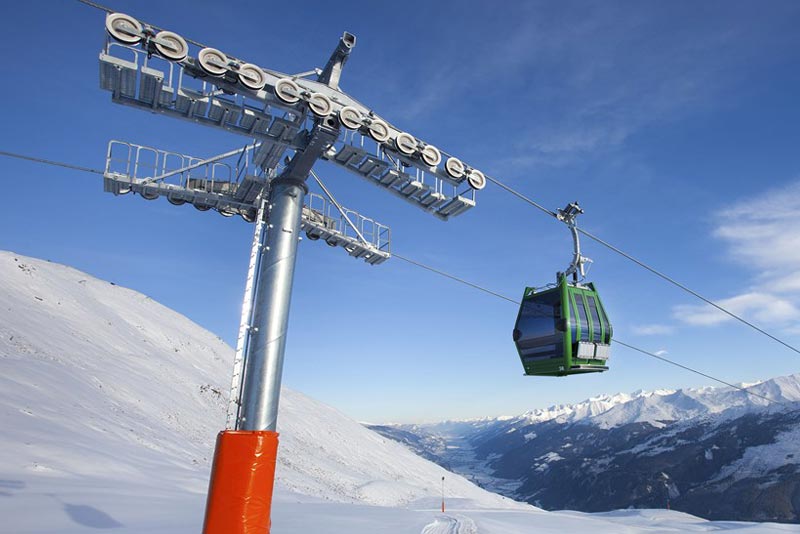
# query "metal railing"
(140, 163)
(326, 215)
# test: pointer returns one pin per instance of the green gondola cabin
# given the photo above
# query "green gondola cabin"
(563, 330)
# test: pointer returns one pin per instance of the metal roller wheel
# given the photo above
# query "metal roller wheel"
(171, 46)
(320, 104)
(213, 61)
(124, 28)
(350, 117)
(287, 91)
(249, 215)
(405, 143)
(476, 180)
(252, 77)
(201, 207)
(312, 237)
(176, 201)
(379, 131)
(454, 167)
(148, 195)
(226, 212)
(431, 155)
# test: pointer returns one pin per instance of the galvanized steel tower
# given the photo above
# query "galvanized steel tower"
(291, 122)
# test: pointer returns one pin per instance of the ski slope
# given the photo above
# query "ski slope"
(110, 403)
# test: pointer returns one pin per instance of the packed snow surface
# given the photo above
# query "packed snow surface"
(110, 404)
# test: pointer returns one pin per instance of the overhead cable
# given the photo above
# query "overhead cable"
(584, 232)
(653, 270)
(615, 340)
(440, 273)
(109, 10)
(49, 162)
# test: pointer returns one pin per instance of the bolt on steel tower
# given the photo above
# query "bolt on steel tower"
(291, 122)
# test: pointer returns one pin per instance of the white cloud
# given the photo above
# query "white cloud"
(765, 232)
(762, 232)
(764, 308)
(662, 352)
(643, 67)
(651, 329)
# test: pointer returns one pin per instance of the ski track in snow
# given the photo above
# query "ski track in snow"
(448, 524)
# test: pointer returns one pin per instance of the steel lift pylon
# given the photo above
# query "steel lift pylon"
(291, 122)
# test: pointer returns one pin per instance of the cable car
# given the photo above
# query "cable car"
(564, 330)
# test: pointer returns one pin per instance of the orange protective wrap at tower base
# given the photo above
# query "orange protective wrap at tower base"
(242, 478)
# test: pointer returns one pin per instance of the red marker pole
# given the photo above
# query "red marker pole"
(442, 494)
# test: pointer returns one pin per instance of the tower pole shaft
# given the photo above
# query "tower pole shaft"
(243, 472)
(260, 392)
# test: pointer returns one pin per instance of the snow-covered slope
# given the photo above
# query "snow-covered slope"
(109, 406)
(99, 380)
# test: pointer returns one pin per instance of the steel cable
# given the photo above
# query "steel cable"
(49, 162)
(440, 273)
(653, 270)
(584, 232)
(109, 10)
(632, 347)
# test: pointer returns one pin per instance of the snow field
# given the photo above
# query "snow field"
(110, 404)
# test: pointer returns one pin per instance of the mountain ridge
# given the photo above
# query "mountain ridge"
(691, 446)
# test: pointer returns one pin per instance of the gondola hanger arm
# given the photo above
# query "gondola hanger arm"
(580, 264)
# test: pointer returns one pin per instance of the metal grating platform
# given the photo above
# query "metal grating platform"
(181, 89)
(424, 190)
(233, 184)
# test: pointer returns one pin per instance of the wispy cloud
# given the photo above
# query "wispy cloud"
(652, 329)
(641, 68)
(582, 79)
(764, 308)
(763, 233)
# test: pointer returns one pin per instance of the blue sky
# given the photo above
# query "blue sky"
(675, 124)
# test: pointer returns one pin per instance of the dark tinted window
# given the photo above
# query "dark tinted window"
(545, 352)
(536, 333)
(609, 328)
(582, 314)
(536, 320)
(595, 317)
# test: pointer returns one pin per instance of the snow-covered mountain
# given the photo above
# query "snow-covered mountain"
(607, 411)
(721, 453)
(109, 407)
(99, 383)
